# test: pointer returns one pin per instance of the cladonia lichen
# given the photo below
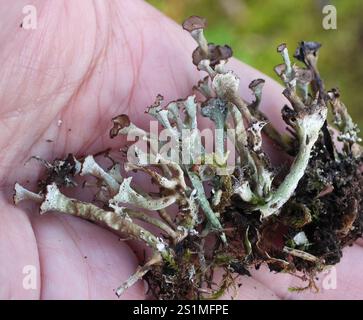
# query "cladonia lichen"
(221, 203)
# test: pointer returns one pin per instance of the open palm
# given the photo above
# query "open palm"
(86, 62)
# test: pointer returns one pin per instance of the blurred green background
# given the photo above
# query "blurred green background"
(253, 28)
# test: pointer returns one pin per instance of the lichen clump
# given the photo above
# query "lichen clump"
(212, 214)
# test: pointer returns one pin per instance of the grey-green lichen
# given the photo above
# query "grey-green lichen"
(251, 214)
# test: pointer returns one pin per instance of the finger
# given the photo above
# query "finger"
(245, 288)
(19, 269)
(80, 260)
(342, 281)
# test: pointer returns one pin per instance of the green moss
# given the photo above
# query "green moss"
(222, 259)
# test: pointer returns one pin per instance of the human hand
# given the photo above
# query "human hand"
(85, 63)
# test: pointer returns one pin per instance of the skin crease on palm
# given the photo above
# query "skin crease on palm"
(86, 62)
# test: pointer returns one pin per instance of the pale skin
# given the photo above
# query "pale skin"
(86, 62)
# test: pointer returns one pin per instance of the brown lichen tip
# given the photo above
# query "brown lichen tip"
(216, 53)
(306, 47)
(281, 47)
(304, 76)
(120, 122)
(334, 93)
(280, 69)
(257, 83)
(157, 103)
(194, 23)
